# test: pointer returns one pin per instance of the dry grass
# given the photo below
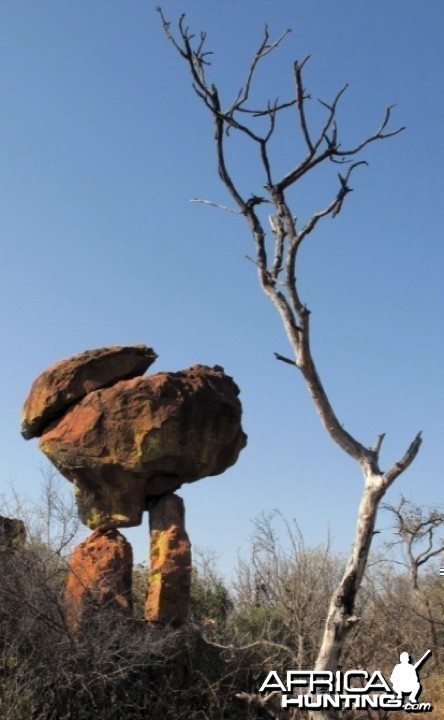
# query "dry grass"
(433, 692)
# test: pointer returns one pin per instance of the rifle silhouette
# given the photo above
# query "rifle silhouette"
(423, 659)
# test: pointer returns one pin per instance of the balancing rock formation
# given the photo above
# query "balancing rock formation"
(127, 442)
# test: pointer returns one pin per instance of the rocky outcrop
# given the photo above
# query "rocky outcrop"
(100, 576)
(169, 579)
(127, 442)
(12, 532)
(123, 445)
(66, 382)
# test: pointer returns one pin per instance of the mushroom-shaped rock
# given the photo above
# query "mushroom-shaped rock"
(123, 445)
(62, 384)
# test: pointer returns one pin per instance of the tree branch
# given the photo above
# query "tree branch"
(378, 135)
(284, 359)
(216, 205)
(301, 97)
(399, 467)
(265, 48)
(376, 449)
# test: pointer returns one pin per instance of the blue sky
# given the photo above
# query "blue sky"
(102, 145)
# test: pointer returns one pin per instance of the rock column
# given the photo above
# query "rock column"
(100, 576)
(169, 580)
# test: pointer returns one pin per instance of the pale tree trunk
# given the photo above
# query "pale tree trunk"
(341, 617)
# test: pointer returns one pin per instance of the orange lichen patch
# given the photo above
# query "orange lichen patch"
(169, 579)
(99, 576)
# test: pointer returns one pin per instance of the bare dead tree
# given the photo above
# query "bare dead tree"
(417, 530)
(277, 267)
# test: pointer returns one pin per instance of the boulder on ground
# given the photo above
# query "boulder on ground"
(62, 384)
(169, 579)
(100, 576)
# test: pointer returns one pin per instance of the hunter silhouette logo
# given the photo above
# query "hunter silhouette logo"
(357, 689)
(404, 677)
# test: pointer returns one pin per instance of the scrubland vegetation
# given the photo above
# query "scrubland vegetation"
(270, 617)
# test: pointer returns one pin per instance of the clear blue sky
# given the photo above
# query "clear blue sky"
(102, 145)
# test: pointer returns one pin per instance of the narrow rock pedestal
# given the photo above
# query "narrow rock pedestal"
(169, 579)
(100, 576)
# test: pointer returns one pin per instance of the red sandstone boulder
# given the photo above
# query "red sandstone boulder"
(66, 382)
(169, 579)
(123, 445)
(100, 576)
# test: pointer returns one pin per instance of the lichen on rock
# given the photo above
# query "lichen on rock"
(124, 441)
(169, 579)
(127, 442)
